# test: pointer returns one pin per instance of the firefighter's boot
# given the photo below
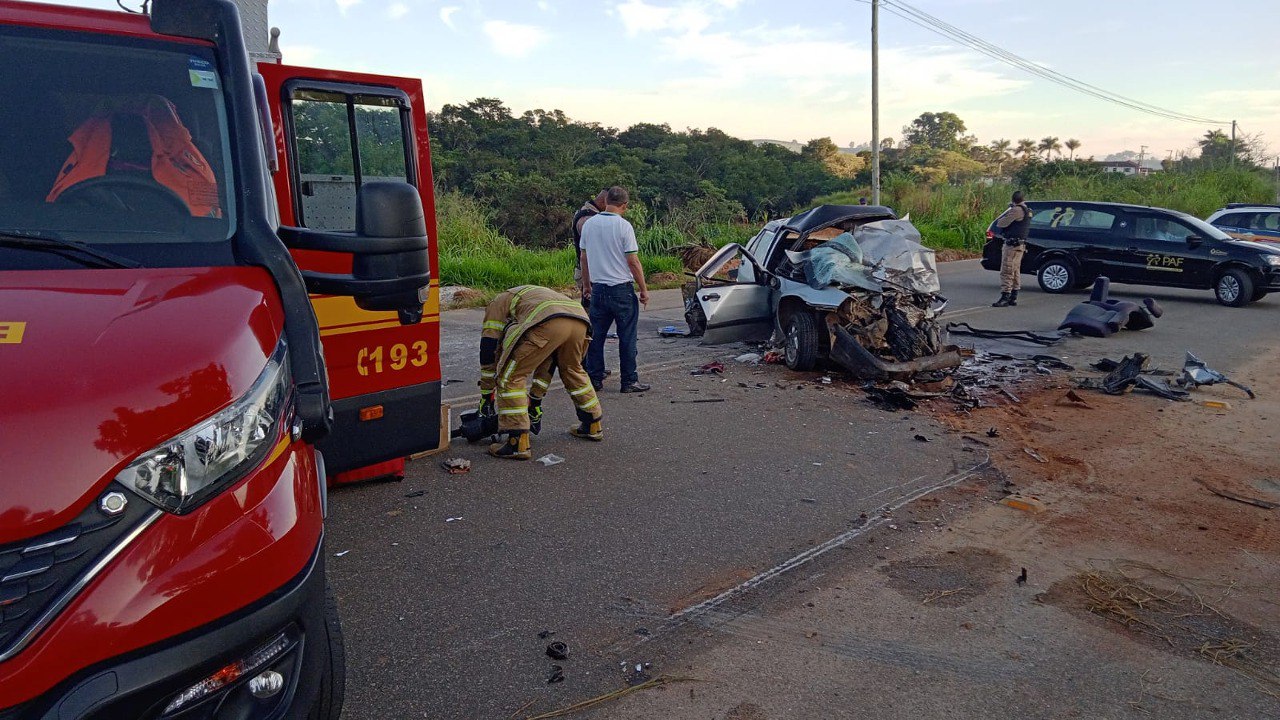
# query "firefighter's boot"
(535, 416)
(1004, 301)
(516, 447)
(588, 427)
(1013, 297)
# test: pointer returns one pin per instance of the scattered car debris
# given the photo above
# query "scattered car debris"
(1044, 339)
(774, 357)
(1022, 577)
(1216, 404)
(749, 358)
(557, 675)
(671, 331)
(415, 493)
(697, 400)
(550, 459)
(340, 553)
(545, 634)
(1073, 399)
(921, 438)
(1102, 316)
(1247, 500)
(643, 632)
(453, 519)
(1195, 373)
(1025, 503)
(711, 368)
(558, 650)
(1035, 455)
(992, 432)
(456, 466)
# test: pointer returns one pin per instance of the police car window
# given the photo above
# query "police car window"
(1070, 217)
(1239, 220)
(1150, 227)
(1271, 221)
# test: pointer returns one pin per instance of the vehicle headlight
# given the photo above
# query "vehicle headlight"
(1272, 260)
(183, 472)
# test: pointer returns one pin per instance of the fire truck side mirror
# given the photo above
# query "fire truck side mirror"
(390, 267)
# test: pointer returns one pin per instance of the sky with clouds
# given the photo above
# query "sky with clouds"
(800, 69)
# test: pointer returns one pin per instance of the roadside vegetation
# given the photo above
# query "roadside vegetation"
(507, 186)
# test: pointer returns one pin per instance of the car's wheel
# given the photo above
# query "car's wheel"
(328, 705)
(802, 341)
(1056, 275)
(1259, 294)
(1234, 288)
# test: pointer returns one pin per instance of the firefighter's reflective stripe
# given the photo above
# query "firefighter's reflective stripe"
(541, 383)
(522, 410)
(494, 325)
(488, 373)
(580, 391)
(589, 404)
(512, 394)
(515, 298)
(533, 319)
(506, 374)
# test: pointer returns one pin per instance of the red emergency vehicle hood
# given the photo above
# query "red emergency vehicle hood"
(98, 366)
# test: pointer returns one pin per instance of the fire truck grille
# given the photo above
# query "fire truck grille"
(39, 575)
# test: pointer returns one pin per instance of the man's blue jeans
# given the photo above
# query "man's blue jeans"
(612, 304)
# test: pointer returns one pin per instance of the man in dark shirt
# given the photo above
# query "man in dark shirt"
(588, 210)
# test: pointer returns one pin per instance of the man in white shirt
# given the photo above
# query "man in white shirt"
(610, 265)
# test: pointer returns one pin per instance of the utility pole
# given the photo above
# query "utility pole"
(1233, 143)
(1278, 178)
(1142, 155)
(875, 102)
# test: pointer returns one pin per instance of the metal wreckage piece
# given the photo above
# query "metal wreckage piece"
(1195, 373)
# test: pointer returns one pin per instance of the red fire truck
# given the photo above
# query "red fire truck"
(216, 292)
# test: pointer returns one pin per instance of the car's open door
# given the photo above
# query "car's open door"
(734, 292)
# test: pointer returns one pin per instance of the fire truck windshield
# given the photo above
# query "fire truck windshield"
(112, 140)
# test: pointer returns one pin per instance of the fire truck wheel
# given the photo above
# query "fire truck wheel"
(332, 686)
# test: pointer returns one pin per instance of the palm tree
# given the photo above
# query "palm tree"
(1026, 147)
(1049, 145)
(1073, 145)
(1000, 149)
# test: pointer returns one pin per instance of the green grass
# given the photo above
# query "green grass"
(475, 255)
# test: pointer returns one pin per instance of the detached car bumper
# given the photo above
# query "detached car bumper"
(142, 684)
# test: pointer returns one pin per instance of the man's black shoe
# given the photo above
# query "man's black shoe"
(638, 387)
(598, 385)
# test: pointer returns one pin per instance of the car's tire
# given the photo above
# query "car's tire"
(1234, 288)
(328, 705)
(1056, 275)
(801, 336)
(1259, 294)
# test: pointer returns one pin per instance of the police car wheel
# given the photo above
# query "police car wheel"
(1056, 276)
(1234, 288)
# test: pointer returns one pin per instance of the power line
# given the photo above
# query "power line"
(951, 32)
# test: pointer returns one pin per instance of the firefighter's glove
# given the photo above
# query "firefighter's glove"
(488, 406)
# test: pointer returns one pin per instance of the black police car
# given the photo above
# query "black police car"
(1071, 243)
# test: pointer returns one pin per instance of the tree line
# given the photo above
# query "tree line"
(535, 169)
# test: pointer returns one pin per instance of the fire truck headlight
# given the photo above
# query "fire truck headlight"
(183, 472)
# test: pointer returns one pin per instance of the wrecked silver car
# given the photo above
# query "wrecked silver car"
(847, 283)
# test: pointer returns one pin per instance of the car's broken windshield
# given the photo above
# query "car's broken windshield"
(110, 140)
(873, 255)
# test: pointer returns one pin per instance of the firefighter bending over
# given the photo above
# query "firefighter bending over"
(531, 330)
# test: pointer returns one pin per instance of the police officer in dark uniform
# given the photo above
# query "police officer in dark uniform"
(1014, 225)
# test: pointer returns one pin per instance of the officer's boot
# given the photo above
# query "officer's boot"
(588, 428)
(516, 447)
(1004, 301)
(535, 415)
(1013, 297)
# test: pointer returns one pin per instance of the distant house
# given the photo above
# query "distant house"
(1127, 167)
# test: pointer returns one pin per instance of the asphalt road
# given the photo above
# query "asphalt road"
(445, 582)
